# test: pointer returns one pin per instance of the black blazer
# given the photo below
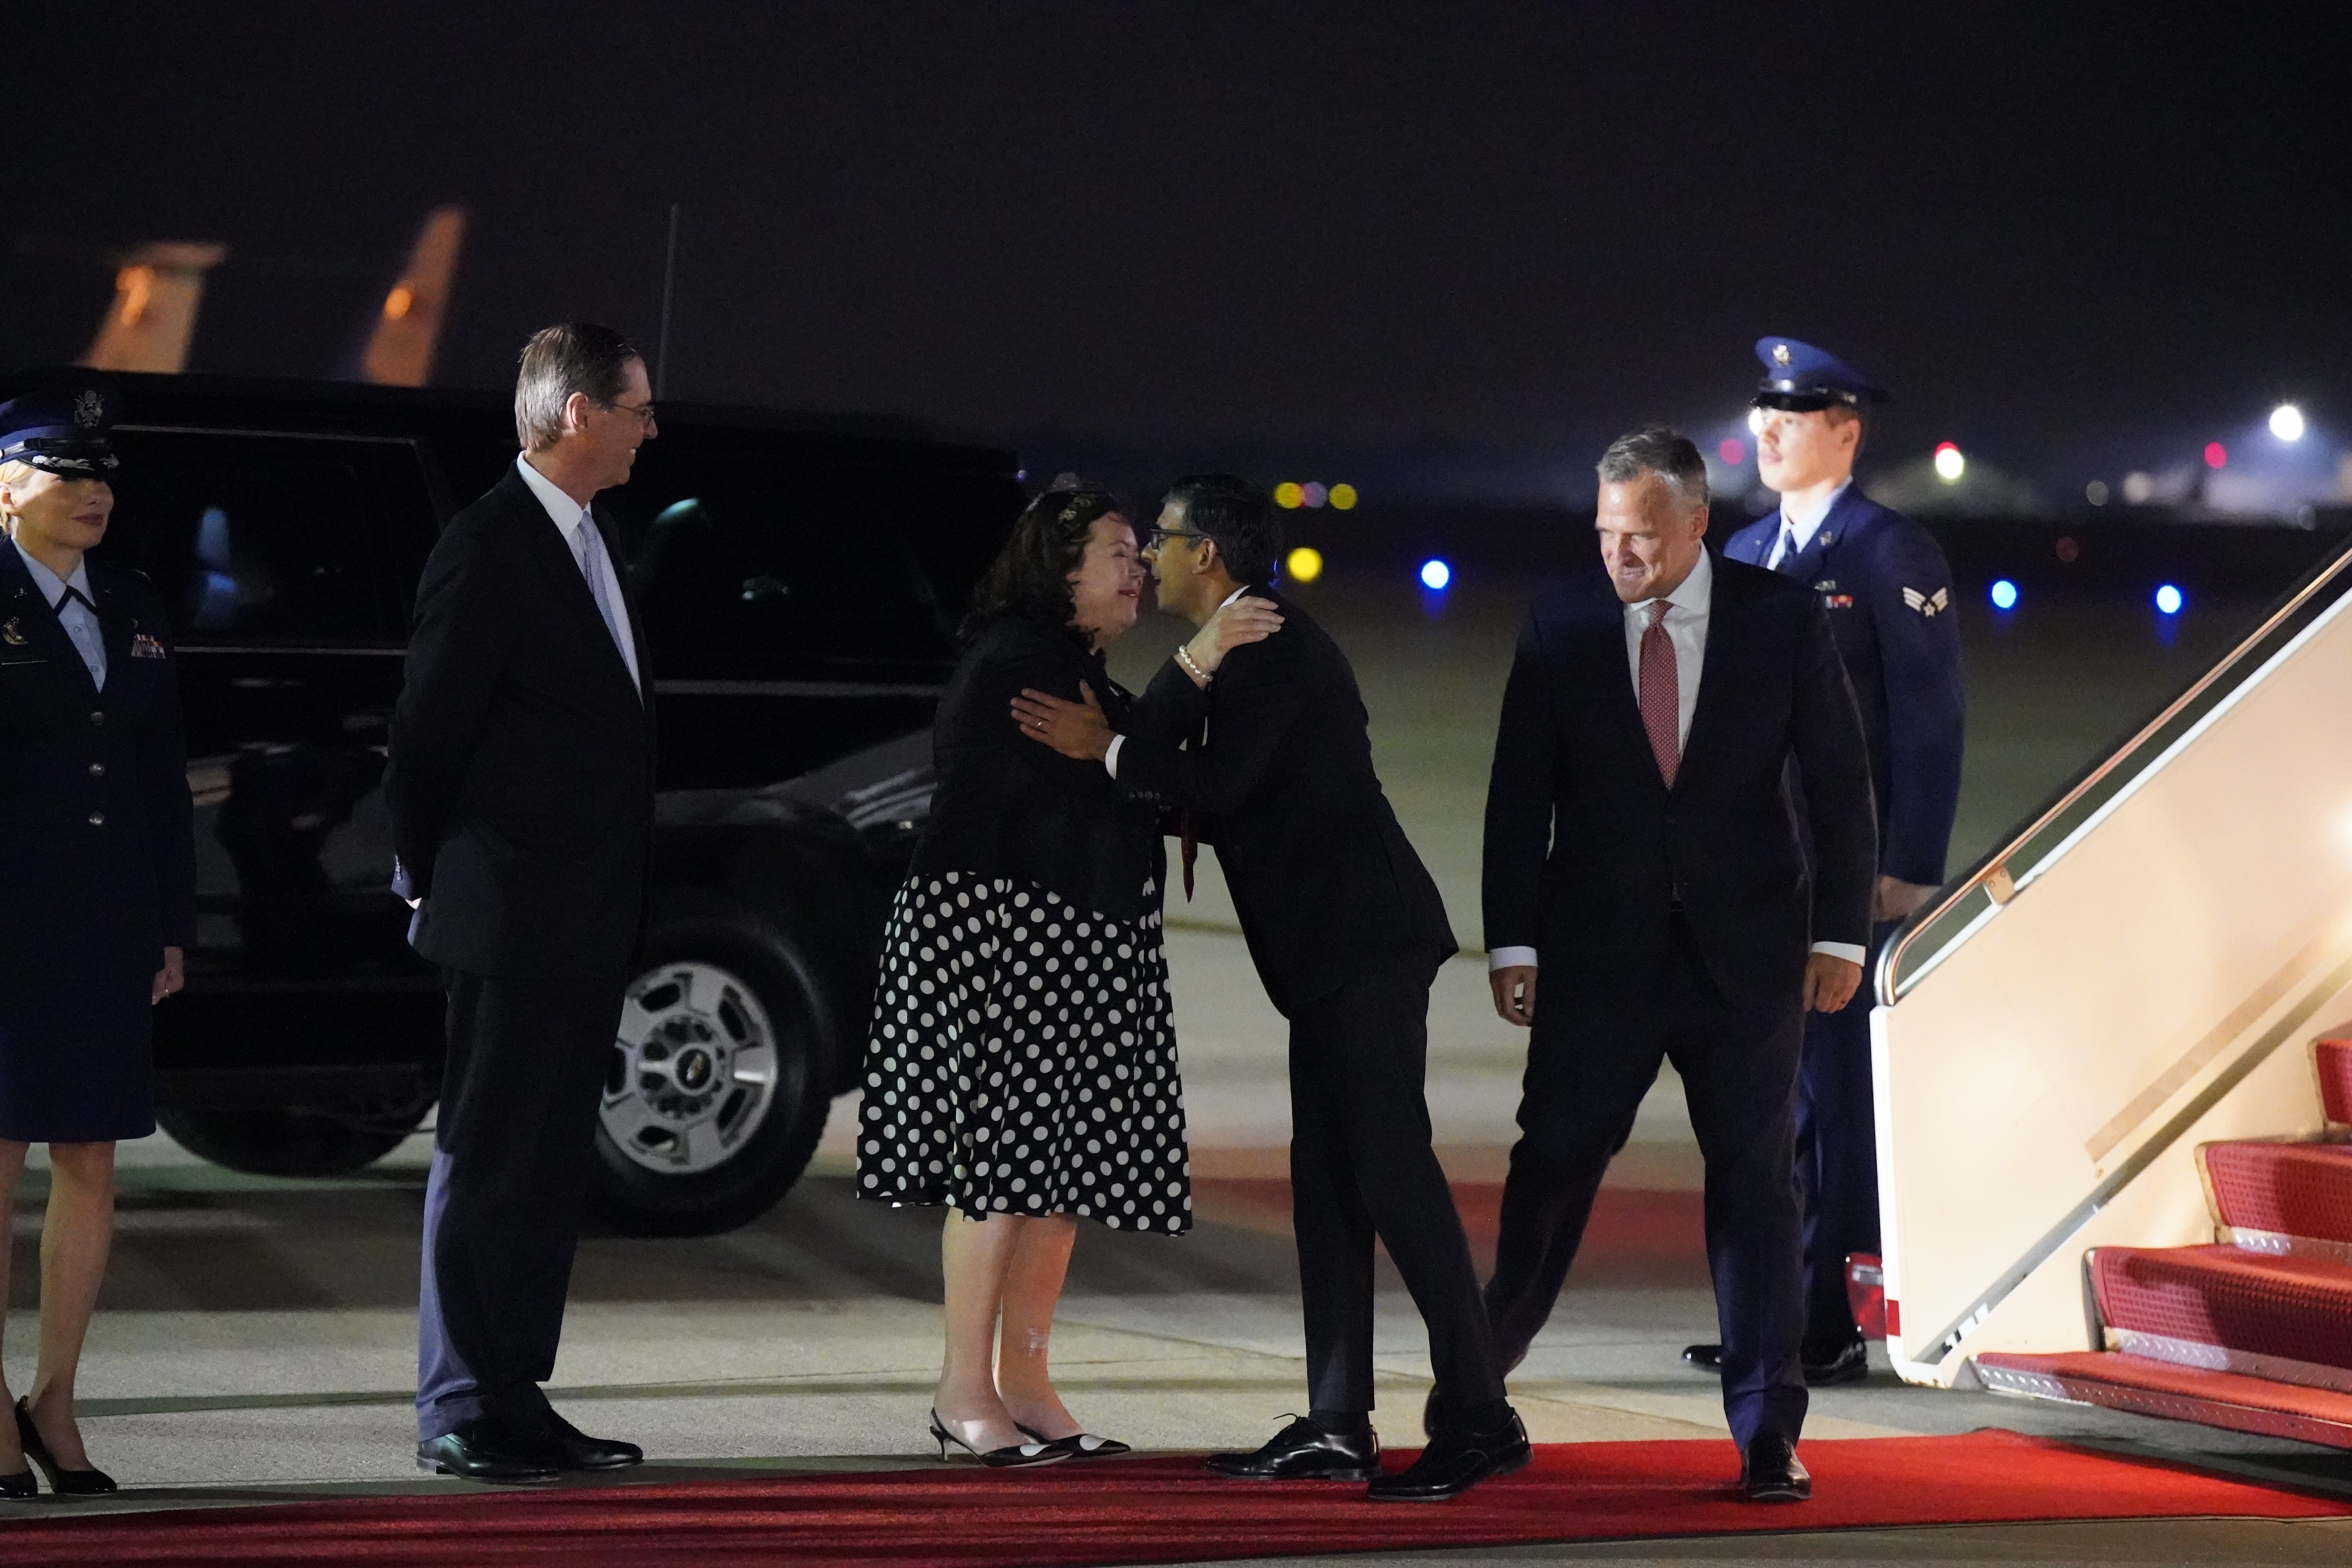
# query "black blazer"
(520, 780)
(1587, 849)
(1326, 885)
(98, 864)
(1007, 806)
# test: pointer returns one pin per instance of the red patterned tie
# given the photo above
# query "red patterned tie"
(1661, 697)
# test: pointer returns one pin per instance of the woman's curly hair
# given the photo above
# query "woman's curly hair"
(1030, 577)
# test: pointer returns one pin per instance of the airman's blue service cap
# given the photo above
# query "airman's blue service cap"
(70, 433)
(1800, 378)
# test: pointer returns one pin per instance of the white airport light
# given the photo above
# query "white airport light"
(2004, 594)
(1435, 575)
(2095, 493)
(1949, 464)
(2286, 422)
(2168, 600)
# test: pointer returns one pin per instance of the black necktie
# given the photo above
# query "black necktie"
(74, 595)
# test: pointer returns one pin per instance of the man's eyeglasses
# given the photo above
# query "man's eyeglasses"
(1160, 536)
(643, 411)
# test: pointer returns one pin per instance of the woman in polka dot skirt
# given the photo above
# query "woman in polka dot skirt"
(1022, 1071)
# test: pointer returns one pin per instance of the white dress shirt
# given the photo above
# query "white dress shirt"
(1799, 524)
(1685, 627)
(568, 516)
(79, 621)
(1111, 758)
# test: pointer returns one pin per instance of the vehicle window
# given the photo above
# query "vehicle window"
(260, 539)
(742, 564)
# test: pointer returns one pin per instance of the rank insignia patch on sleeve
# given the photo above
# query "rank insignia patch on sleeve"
(1928, 604)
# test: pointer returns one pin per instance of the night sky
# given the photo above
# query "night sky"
(1455, 245)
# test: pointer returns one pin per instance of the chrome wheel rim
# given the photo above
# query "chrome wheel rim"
(694, 1069)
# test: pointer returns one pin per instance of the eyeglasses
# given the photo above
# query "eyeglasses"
(1160, 536)
(643, 411)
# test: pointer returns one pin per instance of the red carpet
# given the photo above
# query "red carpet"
(1162, 1511)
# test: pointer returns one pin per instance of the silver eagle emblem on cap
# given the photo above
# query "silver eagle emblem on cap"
(89, 409)
(1781, 353)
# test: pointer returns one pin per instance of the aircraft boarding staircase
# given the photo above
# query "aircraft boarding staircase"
(2115, 1095)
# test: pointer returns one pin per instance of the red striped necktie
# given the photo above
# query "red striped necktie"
(1661, 697)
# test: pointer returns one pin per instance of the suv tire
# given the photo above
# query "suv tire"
(720, 1078)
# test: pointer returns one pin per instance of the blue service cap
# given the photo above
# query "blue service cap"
(70, 433)
(1801, 377)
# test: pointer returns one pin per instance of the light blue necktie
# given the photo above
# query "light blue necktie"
(588, 549)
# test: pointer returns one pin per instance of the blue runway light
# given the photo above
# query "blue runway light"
(2004, 594)
(1435, 575)
(2168, 600)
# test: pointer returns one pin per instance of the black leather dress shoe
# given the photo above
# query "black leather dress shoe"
(490, 1451)
(1850, 1362)
(1455, 1461)
(1769, 1471)
(1707, 1358)
(1302, 1451)
(575, 1450)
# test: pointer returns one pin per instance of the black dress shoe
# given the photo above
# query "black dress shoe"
(1455, 1461)
(1079, 1445)
(1769, 1471)
(62, 1481)
(489, 1450)
(575, 1450)
(1302, 1451)
(1850, 1362)
(1707, 1358)
(23, 1484)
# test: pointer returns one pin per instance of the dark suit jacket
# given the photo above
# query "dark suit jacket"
(1885, 583)
(98, 866)
(520, 780)
(1326, 885)
(1007, 806)
(1587, 850)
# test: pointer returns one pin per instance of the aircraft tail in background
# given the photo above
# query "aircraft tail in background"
(157, 290)
(408, 331)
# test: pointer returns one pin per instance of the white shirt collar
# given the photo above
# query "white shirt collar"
(1694, 592)
(566, 511)
(1232, 596)
(52, 587)
(1805, 522)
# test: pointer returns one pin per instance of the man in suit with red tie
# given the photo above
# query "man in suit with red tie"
(1641, 859)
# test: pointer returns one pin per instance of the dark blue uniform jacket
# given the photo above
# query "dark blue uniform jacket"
(1884, 581)
(97, 828)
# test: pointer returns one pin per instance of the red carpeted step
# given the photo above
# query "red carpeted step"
(2147, 1387)
(2333, 1059)
(2288, 1318)
(2282, 1190)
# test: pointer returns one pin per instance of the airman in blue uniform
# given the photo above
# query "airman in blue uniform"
(1888, 591)
(97, 878)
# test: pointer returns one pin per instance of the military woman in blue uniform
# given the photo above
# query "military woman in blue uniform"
(97, 881)
(1883, 580)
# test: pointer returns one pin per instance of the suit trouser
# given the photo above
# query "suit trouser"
(517, 1129)
(1590, 1058)
(1837, 1157)
(1360, 1166)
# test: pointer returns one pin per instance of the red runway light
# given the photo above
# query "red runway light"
(1947, 445)
(1732, 451)
(2216, 455)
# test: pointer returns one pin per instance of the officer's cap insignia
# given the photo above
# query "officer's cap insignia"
(1781, 353)
(1928, 604)
(12, 634)
(89, 409)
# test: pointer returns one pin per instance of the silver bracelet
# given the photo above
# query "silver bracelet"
(1184, 658)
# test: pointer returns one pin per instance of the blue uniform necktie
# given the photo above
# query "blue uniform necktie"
(1785, 557)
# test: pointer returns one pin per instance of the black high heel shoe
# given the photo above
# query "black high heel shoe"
(1012, 1457)
(1079, 1445)
(23, 1484)
(62, 1481)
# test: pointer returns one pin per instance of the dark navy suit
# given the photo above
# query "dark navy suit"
(521, 787)
(1673, 923)
(1883, 581)
(96, 856)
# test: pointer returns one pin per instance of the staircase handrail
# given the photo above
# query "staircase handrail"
(1995, 878)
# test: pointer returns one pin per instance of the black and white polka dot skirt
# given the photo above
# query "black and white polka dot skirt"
(1021, 1060)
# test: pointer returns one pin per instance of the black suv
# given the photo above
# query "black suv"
(799, 580)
